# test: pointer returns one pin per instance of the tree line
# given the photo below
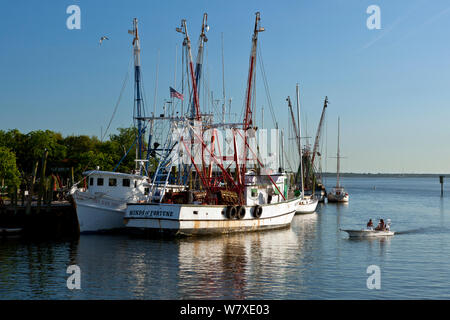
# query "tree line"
(22, 155)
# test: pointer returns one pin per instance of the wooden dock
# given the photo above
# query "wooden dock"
(50, 221)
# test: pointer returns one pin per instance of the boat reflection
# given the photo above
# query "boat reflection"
(235, 266)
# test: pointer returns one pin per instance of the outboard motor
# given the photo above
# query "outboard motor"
(388, 225)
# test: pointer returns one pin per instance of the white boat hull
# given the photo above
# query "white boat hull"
(99, 214)
(307, 206)
(337, 198)
(184, 219)
(365, 233)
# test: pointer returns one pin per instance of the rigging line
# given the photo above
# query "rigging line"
(204, 79)
(112, 117)
(128, 151)
(286, 158)
(175, 72)
(189, 93)
(144, 97)
(223, 73)
(118, 101)
(182, 79)
(156, 85)
(266, 86)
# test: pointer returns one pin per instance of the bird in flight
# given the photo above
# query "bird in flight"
(103, 38)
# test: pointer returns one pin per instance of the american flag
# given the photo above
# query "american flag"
(175, 93)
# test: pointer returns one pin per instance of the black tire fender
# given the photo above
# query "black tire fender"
(231, 212)
(257, 211)
(240, 212)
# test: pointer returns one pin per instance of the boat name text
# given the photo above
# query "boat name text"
(150, 213)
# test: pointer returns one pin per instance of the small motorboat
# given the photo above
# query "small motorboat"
(371, 232)
(368, 233)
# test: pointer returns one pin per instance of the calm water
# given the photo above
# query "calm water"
(310, 260)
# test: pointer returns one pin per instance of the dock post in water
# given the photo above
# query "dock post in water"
(441, 180)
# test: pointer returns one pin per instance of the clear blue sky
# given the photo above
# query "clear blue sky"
(389, 86)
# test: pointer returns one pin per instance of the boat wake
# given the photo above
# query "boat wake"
(425, 230)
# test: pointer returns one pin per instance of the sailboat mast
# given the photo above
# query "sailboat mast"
(299, 142)
(338, 156)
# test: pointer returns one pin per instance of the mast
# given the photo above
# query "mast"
(297, 137)
(223, 86)
(338, 157)
(319, 131)
(297, 90)
(199, 60)
(138, 102)
(282, 151)
(251, 73)
(299, 142)
(195, 111)
(250, 85)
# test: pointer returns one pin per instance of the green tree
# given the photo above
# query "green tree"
(121, 143)
(90, 160)
(9, 174)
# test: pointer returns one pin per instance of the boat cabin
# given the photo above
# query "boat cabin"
(260, 189)
(117, 185)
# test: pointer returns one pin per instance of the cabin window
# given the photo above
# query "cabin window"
(91, 181)
(135, 183)
(112, 182)
(125, 182)
(99, 181)
(146, 190)
(254, 193)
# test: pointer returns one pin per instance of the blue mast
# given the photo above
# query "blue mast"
(138, 101)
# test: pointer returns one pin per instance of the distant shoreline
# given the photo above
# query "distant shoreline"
(381, 175)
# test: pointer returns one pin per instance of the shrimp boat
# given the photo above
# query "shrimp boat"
(259, 211)
(101, 203)
(312, 163)
(307, 204)
(338, 193)
(230, 197)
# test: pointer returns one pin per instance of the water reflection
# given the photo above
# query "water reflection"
(377, 246)
(310, 260)
(120, 266)
(237, 266)
(31, 269)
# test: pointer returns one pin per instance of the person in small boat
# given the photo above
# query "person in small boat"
(370, 224)
(381, 226)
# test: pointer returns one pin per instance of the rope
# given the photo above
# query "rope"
(266, 86)
(118, 101)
